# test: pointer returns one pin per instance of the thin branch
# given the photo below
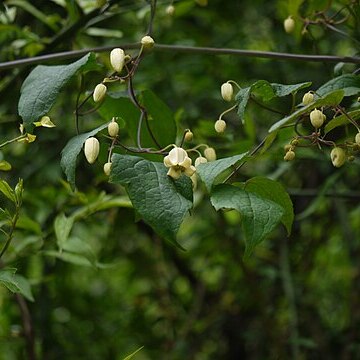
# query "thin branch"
(182, 49)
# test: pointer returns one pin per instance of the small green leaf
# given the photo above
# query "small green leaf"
(274, 191)
(333, 98)
(5, 166)
(211, 171)
(71, 151)
(7, 191)
(133, 354)
(259, 215)
(155, 195)
(63, 226)
(284, 90)
(16, 283)
(42, 86)
(342, 120)
(349, 83)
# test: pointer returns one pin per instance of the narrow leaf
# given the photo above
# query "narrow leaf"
(7, 191)
(155, 196)
(41, 88)
(274, 191)
(259, 215)
(333, 98)
(210, 171)
(342, 120)
(71, 151)
(242, 97)
(62, 226)
(133, 354)
(16, 283)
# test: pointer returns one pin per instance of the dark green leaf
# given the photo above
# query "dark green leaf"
(284, 90)
(41, 88)
(210, 171)
(333, 98)
(71, 151)
(154, 195)
(161, 119)
(274, 191)
(259, 216)
(349, 83)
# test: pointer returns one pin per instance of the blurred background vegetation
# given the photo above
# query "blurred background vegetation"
(297, 297)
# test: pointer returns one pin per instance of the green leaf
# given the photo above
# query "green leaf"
(211, 171)
(42, 86)
(133, 354)
(342, 120)
(266, 91)
(5, 166)
(161, 119)
(63, 226)
(242, 97)
(274, 191)
(284, 90)
(333, 98)
(16, 283)
(259, 215)
(72, 258)
(7, 191)
(349, 83)
(154, 195)
(26, 223)
(71, 151)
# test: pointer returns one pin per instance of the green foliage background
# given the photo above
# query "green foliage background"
(118, 286)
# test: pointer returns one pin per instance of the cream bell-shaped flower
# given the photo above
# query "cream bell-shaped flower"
(178, 162)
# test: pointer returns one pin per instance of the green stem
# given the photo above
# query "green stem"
(11, 232)
(13, 140)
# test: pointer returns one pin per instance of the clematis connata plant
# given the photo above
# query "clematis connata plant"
(178, 162)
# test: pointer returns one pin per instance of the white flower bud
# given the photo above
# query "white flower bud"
(113, 128)
(308, 98)
(91, 149)
(227, 91)
(317, 118)
(188, 136)
(289, 156)
(147, 42)
(107, 168)
(338, 156)
(289, 25)
(220, 126)
(117, 59)
(99, 92)
(170, 10)
(210, 154)
(200, 160)
(357, 138)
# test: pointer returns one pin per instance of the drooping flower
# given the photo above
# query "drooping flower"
(178, 163)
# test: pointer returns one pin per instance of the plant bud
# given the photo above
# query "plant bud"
(288, 147)
(220, 126)
(107, 168)
(200, 160)
(170, 10)
(210, 154)
(357, 138)
(99, 92)
(227, 91)
(308, 98)
(117, 59)
(317, 118)
(289, 25)
(91, 149)
(147, 42)
(289, 156)
(113, 128)
(188, 136)
(338, 156)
